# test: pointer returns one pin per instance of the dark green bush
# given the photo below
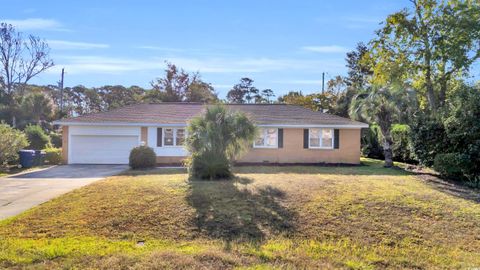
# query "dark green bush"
(371, 142)
(56, 139)
(142, 157)
(53, 155)
(209, 166)
(11, 141)
(401, 146)
(428, 138)
(36, 137)
(451, 165)
(462, 126)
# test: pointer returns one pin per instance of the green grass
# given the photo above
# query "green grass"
(363, 217)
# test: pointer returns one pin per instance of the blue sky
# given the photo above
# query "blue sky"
(282, 45)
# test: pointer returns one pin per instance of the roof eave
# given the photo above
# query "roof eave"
(139, 124)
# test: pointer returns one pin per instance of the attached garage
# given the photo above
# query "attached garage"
(101, 144)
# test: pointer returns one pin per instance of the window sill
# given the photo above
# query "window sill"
(321, 148)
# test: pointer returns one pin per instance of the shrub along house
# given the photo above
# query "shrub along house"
(287, 134)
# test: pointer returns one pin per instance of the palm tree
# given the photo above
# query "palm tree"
(384, 106)
(215, 140)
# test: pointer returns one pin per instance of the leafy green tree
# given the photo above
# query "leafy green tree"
(199, 91)
(180, 86)
(359, 76)
(243, 92)
(336, 85)
(383, 106)
(36, 108)
(359, 67)
(267, 94)
(11, 141)
(215, 140)
(116, 96)
(37, 138)
(315, 102)
(430, 45)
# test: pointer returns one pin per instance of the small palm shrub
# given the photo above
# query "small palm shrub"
(53, 155)
(210, 166)
(215, 139)
(142, 157)
(37, 137)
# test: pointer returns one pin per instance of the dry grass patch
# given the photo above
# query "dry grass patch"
(363, 217)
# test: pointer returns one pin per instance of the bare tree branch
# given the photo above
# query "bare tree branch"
(20, 60)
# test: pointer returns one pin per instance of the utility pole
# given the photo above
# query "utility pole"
(323, 83)
(61, 90)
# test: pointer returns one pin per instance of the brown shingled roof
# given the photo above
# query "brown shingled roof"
(180, 113)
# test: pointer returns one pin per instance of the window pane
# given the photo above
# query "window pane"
(327, 138)
(314, 142)
(315, 133)
(271, 137)
(260, 140)
(180, 139)
(314, 137)
(168, 137)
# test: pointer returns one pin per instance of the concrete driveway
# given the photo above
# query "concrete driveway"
(23, 191)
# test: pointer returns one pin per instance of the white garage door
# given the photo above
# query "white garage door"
(101, 149)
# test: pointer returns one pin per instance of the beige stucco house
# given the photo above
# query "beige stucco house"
(287, 134)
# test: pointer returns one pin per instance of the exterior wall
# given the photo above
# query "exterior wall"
(164, 151)
(65, 144)
(293, 151)
(144, 135)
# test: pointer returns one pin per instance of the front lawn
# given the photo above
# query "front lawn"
(362, 217)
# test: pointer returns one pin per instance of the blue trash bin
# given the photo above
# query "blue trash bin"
(27, 158)
(39, 158)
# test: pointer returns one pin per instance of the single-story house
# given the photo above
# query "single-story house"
(287, 134)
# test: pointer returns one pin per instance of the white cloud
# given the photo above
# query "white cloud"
(104, 65)
(35, 24)
(112, 65)
(356, 22)
(159, 48)
(325, 49)
(305, 82)
(71, 45)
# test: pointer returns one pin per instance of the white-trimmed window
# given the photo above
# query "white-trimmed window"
(266, 138)
(320, 138)
(173, 136)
